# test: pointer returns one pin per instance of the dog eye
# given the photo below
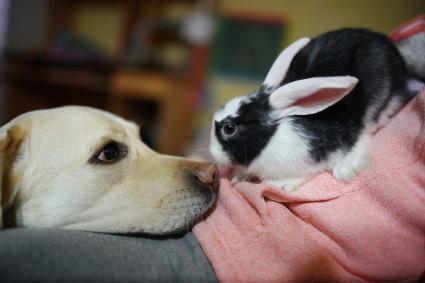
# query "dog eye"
(110, 153)
(229, 130)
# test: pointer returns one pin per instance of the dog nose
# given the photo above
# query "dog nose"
(208, 174)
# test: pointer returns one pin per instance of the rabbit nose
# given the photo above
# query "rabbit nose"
(208, 174)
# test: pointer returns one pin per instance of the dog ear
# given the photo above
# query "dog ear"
(3, 142)
(10, 140)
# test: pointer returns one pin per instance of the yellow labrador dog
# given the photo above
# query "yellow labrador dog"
(83, 168)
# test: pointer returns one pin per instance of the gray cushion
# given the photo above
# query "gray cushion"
(75, 256)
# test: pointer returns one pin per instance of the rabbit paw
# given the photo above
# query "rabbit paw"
(286, 185)
(353, 162)
(237, 178)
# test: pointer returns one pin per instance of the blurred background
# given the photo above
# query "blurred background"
(165, 64)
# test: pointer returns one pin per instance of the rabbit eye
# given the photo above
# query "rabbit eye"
(228, 130)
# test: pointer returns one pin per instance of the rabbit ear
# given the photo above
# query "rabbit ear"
(280, 66)
(310, 96)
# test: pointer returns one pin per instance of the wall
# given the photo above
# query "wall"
(27, 25)
(25, 29)
(102, 23)
(311, 17)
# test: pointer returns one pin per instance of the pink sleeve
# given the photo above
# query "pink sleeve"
(372, 229)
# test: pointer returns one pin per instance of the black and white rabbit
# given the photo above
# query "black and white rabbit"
(315, 111)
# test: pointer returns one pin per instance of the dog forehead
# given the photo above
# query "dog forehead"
(75, 124)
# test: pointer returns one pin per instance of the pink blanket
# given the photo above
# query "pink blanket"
(372, 229)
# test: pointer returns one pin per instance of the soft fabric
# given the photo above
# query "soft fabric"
(43, 255)
(372, 229)
(410, 41)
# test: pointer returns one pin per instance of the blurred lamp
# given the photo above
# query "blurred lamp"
(198, 28)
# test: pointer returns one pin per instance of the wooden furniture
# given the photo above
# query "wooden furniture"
(35, 82)
(170, 96)
(59, 75)
(63, 16)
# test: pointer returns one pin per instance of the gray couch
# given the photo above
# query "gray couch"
(44, 255)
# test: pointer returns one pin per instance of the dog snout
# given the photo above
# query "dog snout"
(208, 174)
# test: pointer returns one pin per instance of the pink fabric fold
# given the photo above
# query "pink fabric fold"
(372, 229)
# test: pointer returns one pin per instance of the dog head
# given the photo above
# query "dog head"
(83, 168)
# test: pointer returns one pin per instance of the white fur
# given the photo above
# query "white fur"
(281, 65)
(54, 184)
(287, 185)
(285, 161)
(284, 156)
(345, 165)
(216, 149)
(230, 109)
